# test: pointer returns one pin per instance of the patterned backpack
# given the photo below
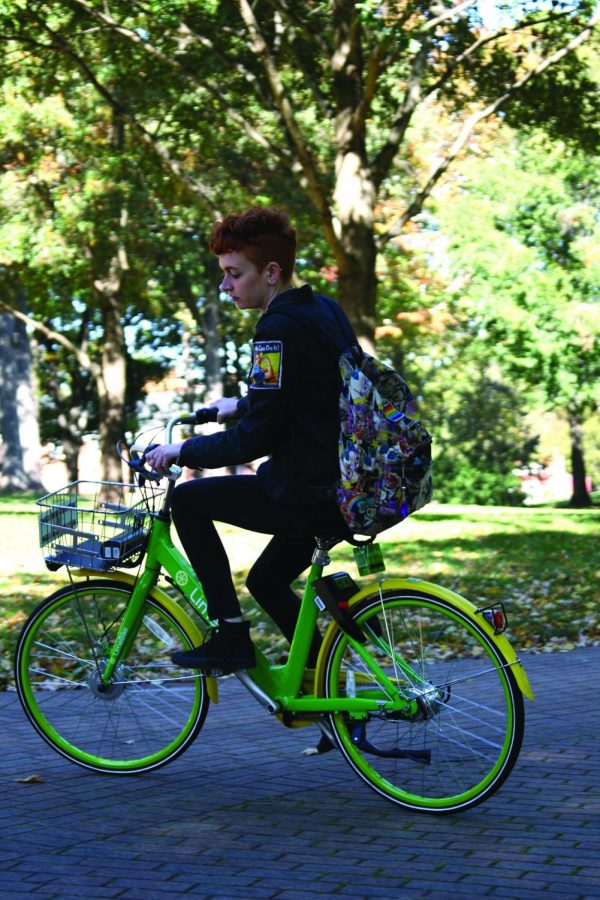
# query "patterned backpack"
(384, 452)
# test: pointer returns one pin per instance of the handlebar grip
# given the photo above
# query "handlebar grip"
(141, 448)
(201, 416)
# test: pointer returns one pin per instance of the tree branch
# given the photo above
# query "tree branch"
(132, 35)
(482, 42)
(374, 68)
(307, 162)
(447, 14)
(412, 95)
(303, 24)
(81, 356)
(471, 123)
(195, 187)
(294, 27)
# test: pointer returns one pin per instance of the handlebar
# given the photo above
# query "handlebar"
(200, 417)
(137, 451)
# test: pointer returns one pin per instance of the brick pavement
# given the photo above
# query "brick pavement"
(244, 814)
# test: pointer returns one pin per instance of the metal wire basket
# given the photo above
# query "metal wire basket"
(96, 524)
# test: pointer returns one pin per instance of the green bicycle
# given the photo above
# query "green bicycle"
(418, 687)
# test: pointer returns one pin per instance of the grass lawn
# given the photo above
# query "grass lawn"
(543, 563)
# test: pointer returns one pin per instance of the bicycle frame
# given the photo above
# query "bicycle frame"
(278, 687)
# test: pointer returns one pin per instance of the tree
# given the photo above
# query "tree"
(527, 279)
(144, 133)
(82, 227)
(481, 436)
(331, 93)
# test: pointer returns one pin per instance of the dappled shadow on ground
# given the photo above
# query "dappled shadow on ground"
(508, 517)
(549, 581)
(549, 540)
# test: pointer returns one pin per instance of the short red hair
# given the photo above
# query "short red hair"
(264, 235)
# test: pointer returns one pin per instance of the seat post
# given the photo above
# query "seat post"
(323, 546)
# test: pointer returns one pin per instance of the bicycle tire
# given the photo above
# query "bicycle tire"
(148, 715)
(464, 739)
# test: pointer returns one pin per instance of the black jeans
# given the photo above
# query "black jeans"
(239, 500)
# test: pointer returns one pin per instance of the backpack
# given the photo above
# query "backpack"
(384, 452)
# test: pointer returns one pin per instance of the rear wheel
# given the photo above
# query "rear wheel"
(463, 735)
(147, 715)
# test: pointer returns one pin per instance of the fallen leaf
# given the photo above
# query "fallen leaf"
(31, 779)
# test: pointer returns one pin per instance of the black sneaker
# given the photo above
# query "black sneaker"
(228, 649)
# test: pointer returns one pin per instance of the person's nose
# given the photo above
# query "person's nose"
(225, 285)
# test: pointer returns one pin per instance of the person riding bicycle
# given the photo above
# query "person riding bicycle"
(290, 414)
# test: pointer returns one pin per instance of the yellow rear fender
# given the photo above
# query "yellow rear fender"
(171, 605)
(459, 603)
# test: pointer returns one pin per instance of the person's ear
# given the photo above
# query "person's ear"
(273, 272)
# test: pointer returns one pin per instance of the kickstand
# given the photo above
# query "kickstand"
(326, 742)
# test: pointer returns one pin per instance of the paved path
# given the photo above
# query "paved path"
(244, 814)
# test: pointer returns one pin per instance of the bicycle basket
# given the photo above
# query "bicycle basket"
(96, 524)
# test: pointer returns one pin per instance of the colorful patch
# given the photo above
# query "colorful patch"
(266, 365)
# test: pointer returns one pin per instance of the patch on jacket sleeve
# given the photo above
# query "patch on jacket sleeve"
(266, 365)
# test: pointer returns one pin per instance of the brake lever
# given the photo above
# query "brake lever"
(199, 417)
(143, 474)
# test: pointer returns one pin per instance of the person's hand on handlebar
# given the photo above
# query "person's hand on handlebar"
(161, 458)
(227, 408)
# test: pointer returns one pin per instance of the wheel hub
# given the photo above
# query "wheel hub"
(430, 700)
(106, 692)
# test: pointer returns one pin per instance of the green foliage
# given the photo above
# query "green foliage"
(526, 279)
(126, 129)
(100, 213)
(564, 100)
(480, 437)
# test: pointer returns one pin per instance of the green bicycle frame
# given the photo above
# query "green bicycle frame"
(280, 685)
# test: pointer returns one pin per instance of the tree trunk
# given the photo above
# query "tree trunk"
(72, 418)
(71, 448)
(29, 431)
(354, 194)
(206, 319)
(18, 422)
(212, 339)
(13, 477)
(111, 382)
(358, 282)
(580, 497)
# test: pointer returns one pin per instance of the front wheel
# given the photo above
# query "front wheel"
(147, 715)
(461, 736)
